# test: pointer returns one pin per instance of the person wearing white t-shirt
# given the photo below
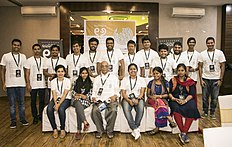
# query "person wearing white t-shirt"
(132, 57)
(104, 96)
(114, 57)
(133, 89)
(14, 82)
(35, 81)
(93, 57)
(211, 73)
(75, 61)
(60, 100)
(193, 56)
(147, 55)
(168, 65)
(178, 56)
(51, 63)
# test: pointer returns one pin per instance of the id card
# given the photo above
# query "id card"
(82, 90)
(99, 93)
(58, 100)
(39, 77)
(102, 106)
(110, 68)
(132, 96)
(18, 73)
(211, 68)
(181, 97)
(147, 66)
(74, 72)
(164, 75)
(92, 68)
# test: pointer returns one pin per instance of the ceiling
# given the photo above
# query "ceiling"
(55, 2)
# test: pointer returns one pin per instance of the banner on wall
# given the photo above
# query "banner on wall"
(121, 31)
(169, 42)
(47, 43)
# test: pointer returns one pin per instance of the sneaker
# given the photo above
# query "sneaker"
(35, 120)
(186, 139)
(137, 133)
(204, 115)
(212, 116)
(24, 122)
(133, 133)
(98, 135)
(110, 135)
(78, 136)
(13, 125)
(182, 138)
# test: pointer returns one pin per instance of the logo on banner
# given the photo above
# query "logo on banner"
(100, 31)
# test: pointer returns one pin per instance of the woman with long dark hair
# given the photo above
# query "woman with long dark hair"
(157, 93)
(183, 101)
(81, 99)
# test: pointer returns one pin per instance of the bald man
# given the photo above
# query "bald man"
(105, 94)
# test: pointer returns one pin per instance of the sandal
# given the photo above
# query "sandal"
(62, 134)
(55, 134)
(154, 131)
(86, 127)
(172, 124)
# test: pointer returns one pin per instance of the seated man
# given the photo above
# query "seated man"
(105, 93)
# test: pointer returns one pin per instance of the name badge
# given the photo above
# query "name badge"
(18, 73)
(39, 77)
(211, 68)
(102, 106)
(74, 72)
(110, 68)
(99, 93)
(181, 97)
(164, 75)
(92, 68)
(132, 96)
(82, 90)
(147, 66)
(58, 100)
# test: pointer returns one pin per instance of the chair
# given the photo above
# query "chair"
(225, 105)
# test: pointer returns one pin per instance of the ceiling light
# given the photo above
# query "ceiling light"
(77, 25)
(143, 18)
(228, 8)
(71, 18)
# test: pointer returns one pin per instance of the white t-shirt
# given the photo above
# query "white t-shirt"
(193, 62)
(92, 60)
(14, 75)
(167, 65)
(112, 57)
(179, 59)
(147, 57)
(74, 64)
(218, 57)
(50, 65)
(128, 59)
(136, 85)
(60, 86)
(110, 85)
(35, 65)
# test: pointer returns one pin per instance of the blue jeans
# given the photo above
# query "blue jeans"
(16, 94)
(41, 93)
(61, 112)
(212, 89)
(139, 113)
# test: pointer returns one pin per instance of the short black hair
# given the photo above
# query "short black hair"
(16, 40)
(145, 38)
(75, 42)
(93, 39)
(191, 38)
(177, 43)
(131, 42)
(109, 38)
(132, 64)
(55, 46)
(163, 46)
(34, 45)
(210, 38)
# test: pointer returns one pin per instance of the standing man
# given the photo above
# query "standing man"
(193, 56)
(168, 65)
(132, 57)
(211, 72)
(114, 57)
(50, 64)
(147, 55)
(35, 81)
(93, 56)
(75, 61)
(14, 82)
(105, 94)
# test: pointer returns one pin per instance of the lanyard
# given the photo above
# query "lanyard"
(109, 55)
(38, 65)
(131, 83)
(177, 58)
(103, 83)
(147, 57)
(17, 63)
(58, 87)
(53, 64)
(132, 58)
(190, 57)
(210, 57)
(163, 66)
(93, 57)
(75, 63)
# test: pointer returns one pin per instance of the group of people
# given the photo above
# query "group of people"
(161, 79)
